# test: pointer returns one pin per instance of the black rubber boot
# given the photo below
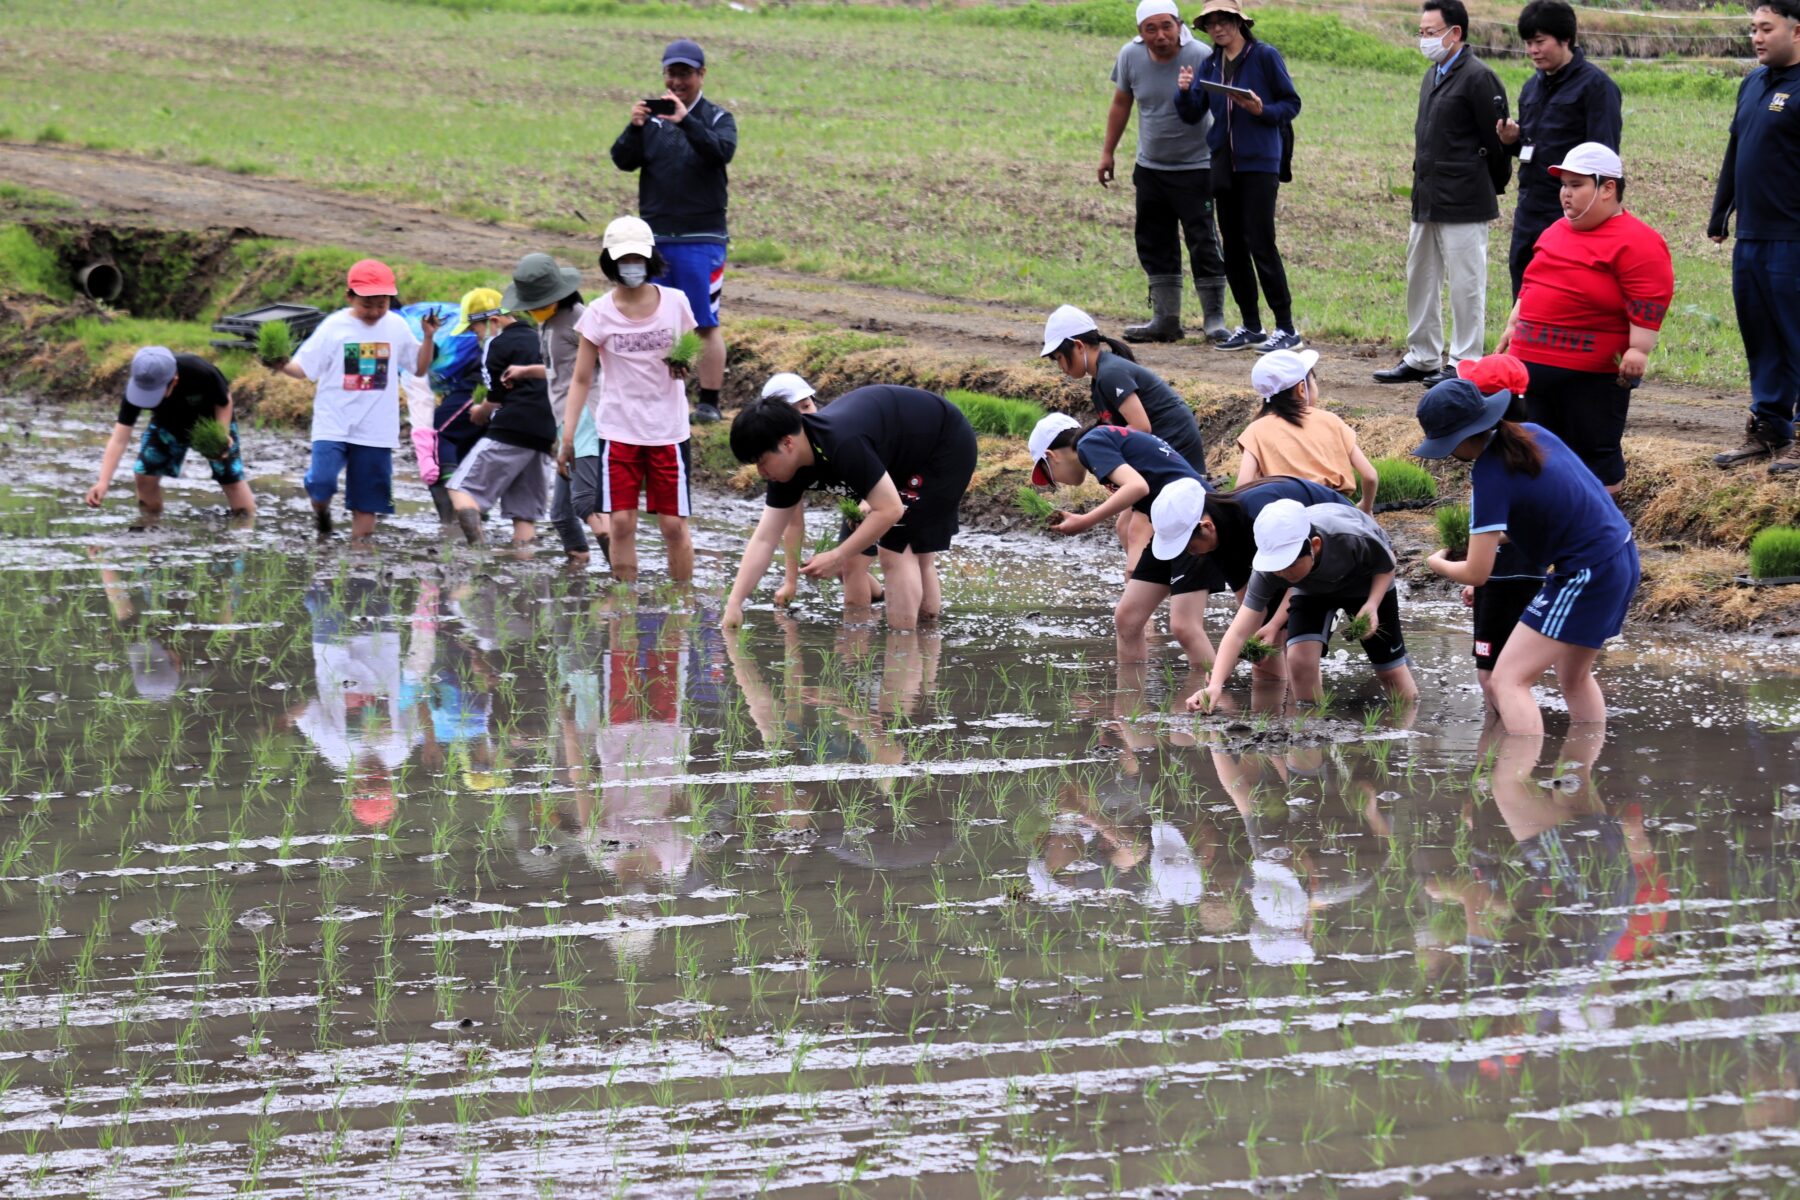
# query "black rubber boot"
(470, 520)
(1165, 303)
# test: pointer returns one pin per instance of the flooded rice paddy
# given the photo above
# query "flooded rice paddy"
(425, 872)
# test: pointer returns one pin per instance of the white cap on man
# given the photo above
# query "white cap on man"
(1591, 158)
(1281, 528)
(1279, 370)
(786, 385)
(1043, 433)
(1174, 514)
(1065, 323)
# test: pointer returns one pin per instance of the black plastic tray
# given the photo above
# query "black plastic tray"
(301, 320)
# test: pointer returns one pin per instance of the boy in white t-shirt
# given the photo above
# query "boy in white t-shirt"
(355, 359)
(643, 419)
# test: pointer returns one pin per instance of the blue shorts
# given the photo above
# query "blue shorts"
(698, 269)
(368, 476)
(1585, 607)
(160, 454)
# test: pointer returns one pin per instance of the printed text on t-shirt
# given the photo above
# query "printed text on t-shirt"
(647, 342)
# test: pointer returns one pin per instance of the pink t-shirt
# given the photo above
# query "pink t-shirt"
(639, 404)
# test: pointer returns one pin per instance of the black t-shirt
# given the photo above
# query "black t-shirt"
(200, 391)
(1106, 448)
(883, 429)
(1236, 526)
(1171, 419)
(524, 417)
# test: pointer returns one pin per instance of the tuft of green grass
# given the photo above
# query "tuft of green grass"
(274, 342)
(1255, 650)
(209, 438)
(51, 135)
(1402, 481)
(1031, 502)
(27, 266)
(1358, 628)
(1453, 528)
(1775, 553)
(686, 349)
(997, 416)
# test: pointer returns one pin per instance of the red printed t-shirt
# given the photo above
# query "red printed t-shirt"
(1583, 292)
(640, 403)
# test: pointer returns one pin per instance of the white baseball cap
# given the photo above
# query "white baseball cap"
(1591, 158)
(1063, 324)
(628, 235)
(1042, 434)
(787, 386)
(1281, 529)
(1279, 370)
(1174, 513)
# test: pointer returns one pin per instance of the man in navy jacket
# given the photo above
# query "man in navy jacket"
(1760, 181)
(1569, 101)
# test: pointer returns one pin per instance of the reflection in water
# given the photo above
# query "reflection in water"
(440, 876)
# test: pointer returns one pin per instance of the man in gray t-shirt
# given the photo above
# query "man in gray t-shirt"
(1172, 173)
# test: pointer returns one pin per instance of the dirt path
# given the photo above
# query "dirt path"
(123, 188)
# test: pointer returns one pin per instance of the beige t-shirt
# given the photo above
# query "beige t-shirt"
(1319, 448)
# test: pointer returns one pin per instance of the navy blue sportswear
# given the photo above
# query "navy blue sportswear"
(1760, 177)
(682, 183)
(1587, 606)
(1254, 143)
(1564, 518)
(1236, 523)
(1106, 448)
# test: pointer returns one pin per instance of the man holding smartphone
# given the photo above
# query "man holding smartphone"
(680, 144)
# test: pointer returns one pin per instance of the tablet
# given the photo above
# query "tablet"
(1225, 89)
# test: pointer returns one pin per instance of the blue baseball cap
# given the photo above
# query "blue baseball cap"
(686, 52)
(1454, 411)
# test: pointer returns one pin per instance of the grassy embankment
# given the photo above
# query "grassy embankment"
(947, 150)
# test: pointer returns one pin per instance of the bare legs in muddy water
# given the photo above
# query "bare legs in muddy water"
(1528, 654)
(914, 592)
(1187, 621)
(150, 499)
(676, 538)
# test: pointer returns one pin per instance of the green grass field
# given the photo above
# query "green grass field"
(948, 151)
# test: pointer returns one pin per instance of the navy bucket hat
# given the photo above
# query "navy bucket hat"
(1454, 411)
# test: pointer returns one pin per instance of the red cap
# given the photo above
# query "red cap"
(1495, 373)
(372, 277)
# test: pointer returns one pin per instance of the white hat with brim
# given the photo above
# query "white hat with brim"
(1161, 8)
(628, 235)
(1281, 529)
(1174, 514)
(1065, 323)
(1279, 370)
(1043, 433)
(786, 385)
(1591, 158)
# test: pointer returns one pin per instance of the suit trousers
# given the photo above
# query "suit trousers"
(1435, 254)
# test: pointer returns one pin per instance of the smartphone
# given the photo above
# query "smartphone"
(660, 106)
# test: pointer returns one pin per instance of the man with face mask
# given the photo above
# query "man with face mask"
(680, 143)
(1172, 175)
(1460, 166)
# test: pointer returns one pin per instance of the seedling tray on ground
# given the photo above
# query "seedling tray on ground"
(1771, 581)
(301, 320)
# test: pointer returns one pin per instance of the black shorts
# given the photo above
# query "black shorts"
(1310, 619)
(1587, 410)
(1183, 576)
(1499, 603)
(932, 500)
(845, 529)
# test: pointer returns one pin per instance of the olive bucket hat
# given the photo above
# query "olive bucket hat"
(538, 282)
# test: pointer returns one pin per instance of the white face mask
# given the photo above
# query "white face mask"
(633, 274)
(1434, 48)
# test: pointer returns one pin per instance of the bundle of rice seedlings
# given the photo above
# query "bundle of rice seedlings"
(851, 510)
(1775, 553)
(1403, 482)
(1255, 650)
(274, 343)
(1453, 528)
(685, 351)
(997, 416)
(1032, 503)
(209, 438)
(1358, 628)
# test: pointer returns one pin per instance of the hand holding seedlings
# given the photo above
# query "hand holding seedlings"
(1068, 522)
(1255, 649)
(851, 510)
(1359, 627)
(682, 354)
(210, 439)
(1206, 699)
(1032, 503)
(274, 343)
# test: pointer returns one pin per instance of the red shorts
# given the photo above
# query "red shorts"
(658, 474)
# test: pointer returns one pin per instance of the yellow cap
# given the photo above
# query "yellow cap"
(478, 305)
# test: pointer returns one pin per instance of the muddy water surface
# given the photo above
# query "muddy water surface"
(423, 871)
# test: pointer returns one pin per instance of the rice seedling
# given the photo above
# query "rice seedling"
(1403, 483)
(1032, 503)
(686, 351)
(1356, 628)
(1255, 649)
(209, 438)
(1453, 528)
(996, 416)
(274, 343)
(1775, 553)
